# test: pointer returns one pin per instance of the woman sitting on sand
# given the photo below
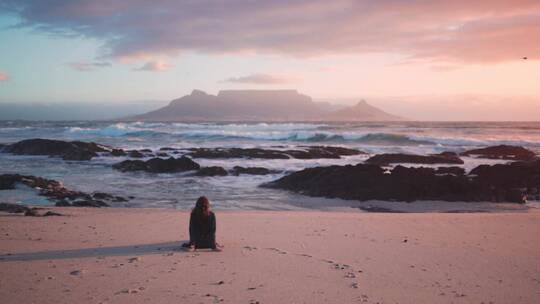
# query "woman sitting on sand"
(202, 226)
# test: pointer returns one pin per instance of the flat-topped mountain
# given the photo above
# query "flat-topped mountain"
(258, 105)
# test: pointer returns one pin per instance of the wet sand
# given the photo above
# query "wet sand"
(133, 256)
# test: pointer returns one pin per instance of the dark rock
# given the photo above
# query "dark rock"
(212, 171)
(7, 181)
(145, 151)
(52, 213)
(379, 209)
(167, 149)
(237, 170)
(120, 199)
(158, 165)
(313, 152)
(102, 196)
(502, 152)
(392, 158)
(450, 170)
(63, 203)
(78, 155)
(74, 150)
(130, 165)
(135, 154)
(498, 183)
(162, 154)
(118, 152)
(514, 182)
(90, 203)
(13, 208)
(31, 212)
(49, 188)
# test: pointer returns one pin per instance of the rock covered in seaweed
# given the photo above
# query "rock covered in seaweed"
(392, 158)
(497, 183)
(502, 152)
(68, 150)
(158, 165)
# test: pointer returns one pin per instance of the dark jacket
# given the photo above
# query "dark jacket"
(202, 231)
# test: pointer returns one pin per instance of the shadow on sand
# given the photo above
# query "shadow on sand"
(141, 249)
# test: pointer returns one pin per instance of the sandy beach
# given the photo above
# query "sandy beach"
(115, 255)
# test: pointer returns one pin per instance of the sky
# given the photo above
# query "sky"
(426, 58)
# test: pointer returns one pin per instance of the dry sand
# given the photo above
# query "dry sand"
(133, 256)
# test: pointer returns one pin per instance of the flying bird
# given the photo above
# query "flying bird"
(524, 58)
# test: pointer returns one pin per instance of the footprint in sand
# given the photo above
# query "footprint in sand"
(277, 250)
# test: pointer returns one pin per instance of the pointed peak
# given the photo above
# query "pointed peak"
(198, 93)
(362, 102)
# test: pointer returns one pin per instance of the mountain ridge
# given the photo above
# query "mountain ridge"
(259, 105)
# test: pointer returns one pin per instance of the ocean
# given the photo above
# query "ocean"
(236, 192)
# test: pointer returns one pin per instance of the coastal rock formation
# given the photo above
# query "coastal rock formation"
(498, 183)
(135, 154)
(17, 208)
(158, 165)
(118, 152)
(212, 171)
(56, 192)
(13, 208)
(392, 158)
(73, 150)
(502, 152)
(450, 170)
(313, 152)
(238, 170)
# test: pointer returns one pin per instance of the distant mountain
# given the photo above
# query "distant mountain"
(258, 105)
(362, 111)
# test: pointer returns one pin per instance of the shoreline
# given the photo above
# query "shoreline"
(131, 255)
(300, 203)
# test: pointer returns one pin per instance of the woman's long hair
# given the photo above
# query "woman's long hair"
(202, 208)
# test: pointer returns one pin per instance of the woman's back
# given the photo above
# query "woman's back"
(202, 225)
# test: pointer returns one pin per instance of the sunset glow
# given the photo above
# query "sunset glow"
(338, 51)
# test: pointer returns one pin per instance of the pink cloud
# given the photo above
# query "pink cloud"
(461, 31)
(258, 79)
(4, 76)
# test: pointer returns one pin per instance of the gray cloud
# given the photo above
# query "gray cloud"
(466, 31)
(153, 66)
(257, 79)
(83, 66)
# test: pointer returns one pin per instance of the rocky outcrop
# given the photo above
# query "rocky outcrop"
(118, 152)
(13, 208)
(56, 192)
(158, 165)
(450, 170)
(499, 183)
(313, 152)
(237, 170)
(212, 171)
(502, 152)
(68, 150)
(135, 154)
(399, 158)
(27, 211)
